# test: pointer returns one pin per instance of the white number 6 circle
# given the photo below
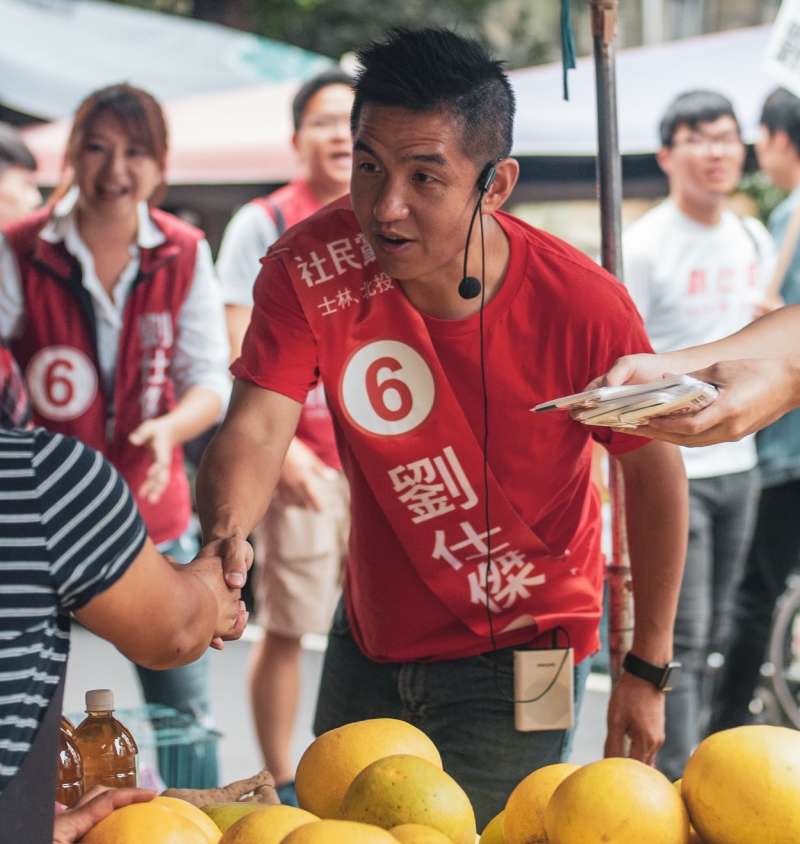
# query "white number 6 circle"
(387, 388)
(62, 382)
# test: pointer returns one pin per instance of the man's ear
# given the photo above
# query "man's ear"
(664, 159)
(505, 178)
(780, 139)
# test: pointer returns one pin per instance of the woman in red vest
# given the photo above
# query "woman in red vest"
(112, 310)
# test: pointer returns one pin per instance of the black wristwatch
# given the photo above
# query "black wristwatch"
(658, 675)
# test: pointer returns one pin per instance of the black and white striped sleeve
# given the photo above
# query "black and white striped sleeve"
(92, 527)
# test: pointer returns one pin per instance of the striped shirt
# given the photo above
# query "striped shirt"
(68, 530)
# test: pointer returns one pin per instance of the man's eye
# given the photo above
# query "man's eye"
(367, 167)
(423, 178)
(92, 146)
(135, 152)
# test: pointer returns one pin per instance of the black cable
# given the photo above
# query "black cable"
(489, 560)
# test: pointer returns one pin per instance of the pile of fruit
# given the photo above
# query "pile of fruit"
(381, 782)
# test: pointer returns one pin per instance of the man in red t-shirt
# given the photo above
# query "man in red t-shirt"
(302, 541)
(475, 525)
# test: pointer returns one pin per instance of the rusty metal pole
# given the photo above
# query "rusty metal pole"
(605, 14)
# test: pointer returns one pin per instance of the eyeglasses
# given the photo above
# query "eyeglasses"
(699, 143)
(327, 122)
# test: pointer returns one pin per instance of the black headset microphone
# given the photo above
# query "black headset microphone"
(469, 287)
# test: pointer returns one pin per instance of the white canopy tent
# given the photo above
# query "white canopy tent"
(54, 52)
(733, 63)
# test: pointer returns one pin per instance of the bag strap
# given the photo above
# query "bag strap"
(277, 216)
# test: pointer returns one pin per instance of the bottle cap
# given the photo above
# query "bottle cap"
(99, 700)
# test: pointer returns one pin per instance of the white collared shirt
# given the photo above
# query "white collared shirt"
(201, 351)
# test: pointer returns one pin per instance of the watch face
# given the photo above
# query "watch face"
(669, 671)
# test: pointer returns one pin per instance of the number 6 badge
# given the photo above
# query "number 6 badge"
(387, 388)
(62, 382)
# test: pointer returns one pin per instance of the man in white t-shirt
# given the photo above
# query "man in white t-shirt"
(696, 271)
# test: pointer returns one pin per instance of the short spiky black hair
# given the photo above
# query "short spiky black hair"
(691, 109)
(335, 76)
(781, 113)
(13, 151)
(438, 70)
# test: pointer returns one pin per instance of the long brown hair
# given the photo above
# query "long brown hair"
(140, 116)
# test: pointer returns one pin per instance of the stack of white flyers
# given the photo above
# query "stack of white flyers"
(634, 404)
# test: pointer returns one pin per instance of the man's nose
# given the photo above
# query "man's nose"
(390, 204)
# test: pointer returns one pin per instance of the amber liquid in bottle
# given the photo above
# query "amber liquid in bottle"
(69, 777)
(106, 746)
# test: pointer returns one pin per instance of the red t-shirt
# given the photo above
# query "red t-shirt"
(557, 321)
(296, 202)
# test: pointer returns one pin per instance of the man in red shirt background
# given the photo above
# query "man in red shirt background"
(453, 562)
(301, 543)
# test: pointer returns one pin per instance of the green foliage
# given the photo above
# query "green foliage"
(763, 192)
(520, 31)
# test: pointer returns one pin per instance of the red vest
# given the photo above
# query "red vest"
(286, 207)
(289, 205)
(58, 354)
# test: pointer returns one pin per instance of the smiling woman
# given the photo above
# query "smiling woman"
(113, 313)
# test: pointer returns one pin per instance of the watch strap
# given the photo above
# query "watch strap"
(658, 675)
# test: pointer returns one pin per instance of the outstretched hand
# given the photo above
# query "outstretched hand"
(157, 436)
(752, 394)
(72, 824)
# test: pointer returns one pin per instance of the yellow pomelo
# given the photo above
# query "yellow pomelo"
(150, 822)
(197, 816)
(616, 800)
(694, 838)
(416, 833)
(524, 814)
(743, 785)
(225, 815)
(334, 760)
(408, 789)
(269, 825)
(339, 832)
(493, 834)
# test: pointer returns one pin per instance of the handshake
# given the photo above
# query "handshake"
(222, 566)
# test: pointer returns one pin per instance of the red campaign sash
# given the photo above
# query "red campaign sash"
(387, 389)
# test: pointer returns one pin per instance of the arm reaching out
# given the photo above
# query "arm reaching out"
(240, 471)
(752, 395)
(775, 336)
(757, 372)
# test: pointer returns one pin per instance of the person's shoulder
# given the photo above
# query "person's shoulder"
(568, 282)
(646, 232)
(331, 222)
(21, 234)
(755, 227)
(175, 229)
(781, 213)
(52, 449)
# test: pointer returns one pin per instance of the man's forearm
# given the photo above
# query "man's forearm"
(234, 485)
(775, 335)
(656, 504)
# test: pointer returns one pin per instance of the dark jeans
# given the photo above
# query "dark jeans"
(190, 765)
(774, 554)
(465, 706)
(721, 517)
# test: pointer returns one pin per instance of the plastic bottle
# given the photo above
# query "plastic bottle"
(106, 746)
(69, 777)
